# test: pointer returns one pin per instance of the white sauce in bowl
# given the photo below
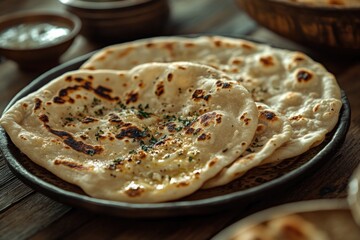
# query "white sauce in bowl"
(32, 35)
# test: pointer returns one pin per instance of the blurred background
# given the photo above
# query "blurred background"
(322, 31)
(172, 17)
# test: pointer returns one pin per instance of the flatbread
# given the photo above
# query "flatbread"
(272, 132)
(290, 227)
(289, 82)
(151, 134)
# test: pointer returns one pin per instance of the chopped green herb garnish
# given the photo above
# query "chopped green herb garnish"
(170, 118)
(91, 152)
(132, 151)
(100, 111)
(98, 134)
(144, 114)
(151, 143)
(95, 102)
(178, 129)
(153, 140)
(123, 106)
(70, 119)
(145, 147)
(118, 160)
(185, 122)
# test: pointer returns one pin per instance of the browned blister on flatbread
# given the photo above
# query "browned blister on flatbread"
(154, 133)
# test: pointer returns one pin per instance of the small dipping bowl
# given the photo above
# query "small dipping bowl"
(37, 40)
(113, 21)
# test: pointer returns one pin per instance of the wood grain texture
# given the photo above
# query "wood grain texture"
(25, 214)
(11, 193)
(28, 216)
(5, 174)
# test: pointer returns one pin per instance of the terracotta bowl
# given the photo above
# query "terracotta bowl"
(112, 21)
(42, 56)
(334, 28)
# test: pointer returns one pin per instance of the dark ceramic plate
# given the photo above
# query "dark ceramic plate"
(255, 183)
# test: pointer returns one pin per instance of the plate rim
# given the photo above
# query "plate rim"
(164, 209)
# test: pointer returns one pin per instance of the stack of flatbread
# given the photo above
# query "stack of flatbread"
(157, 119)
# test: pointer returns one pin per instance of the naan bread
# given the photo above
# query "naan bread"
(151, 134)
(290, 227)
(273, 131)
(289, 82)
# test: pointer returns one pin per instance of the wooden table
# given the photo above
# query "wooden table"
(25, 213)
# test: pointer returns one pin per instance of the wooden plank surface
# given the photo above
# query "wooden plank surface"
(25, 213)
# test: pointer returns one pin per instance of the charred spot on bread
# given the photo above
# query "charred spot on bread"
(134, 191)
(268, 115)
(132, 97)
(267, 61)
(160, 89)
(131, 132)
(38, 103)
(304, 76)
(71, 164)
